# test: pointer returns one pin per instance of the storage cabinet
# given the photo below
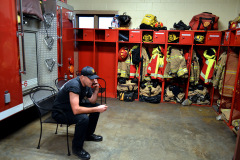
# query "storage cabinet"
(213, 38)
(226, 38)
(159, 37)
(105, 35)
(111, 36)
(235, 37)
(99, 48)
(88, 34)
(186, 37)
(134, 36)
(84, 34)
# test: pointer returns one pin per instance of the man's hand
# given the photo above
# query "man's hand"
(102, 108)
(96, 85)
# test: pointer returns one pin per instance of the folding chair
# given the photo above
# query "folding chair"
(43, 98)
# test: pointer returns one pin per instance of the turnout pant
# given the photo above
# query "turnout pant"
(85, 124)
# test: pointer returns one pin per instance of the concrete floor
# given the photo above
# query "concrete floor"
(131, 131)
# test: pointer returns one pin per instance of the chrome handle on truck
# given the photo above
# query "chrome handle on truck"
(60, 37)
(22, 39)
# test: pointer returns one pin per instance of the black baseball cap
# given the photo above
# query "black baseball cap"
(89, 72)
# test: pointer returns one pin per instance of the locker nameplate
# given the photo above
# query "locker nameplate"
(186, 34)
(214, 36)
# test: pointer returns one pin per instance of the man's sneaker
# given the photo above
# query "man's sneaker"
(81, 153)
(94, 137)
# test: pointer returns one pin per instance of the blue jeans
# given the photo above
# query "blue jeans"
(85, 124)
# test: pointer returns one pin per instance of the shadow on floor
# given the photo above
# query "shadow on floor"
(17, 121)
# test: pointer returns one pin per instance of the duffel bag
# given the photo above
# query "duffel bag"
(126, 96)
(204, 21)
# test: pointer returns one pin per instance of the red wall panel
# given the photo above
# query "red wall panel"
(106, 65)
(85, 54)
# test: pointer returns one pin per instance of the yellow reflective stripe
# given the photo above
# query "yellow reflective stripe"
(227, 95)
(182, 70)
(202, 74)
(159, 75)
(229, 87)
(153, 75)
(210, 64)
(174, 70)
(231, 71)
(207, 80)
(167, 76)
(147, 78)
(156, 69)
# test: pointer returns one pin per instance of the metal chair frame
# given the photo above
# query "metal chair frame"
(59, 80)
(39, 108)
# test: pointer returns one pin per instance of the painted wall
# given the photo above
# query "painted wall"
(167, 11)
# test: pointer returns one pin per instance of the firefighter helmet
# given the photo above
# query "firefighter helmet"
(123, 54)
(147, 38)
(199, 38)
(149, 19)
(158, 25)
(172, 37)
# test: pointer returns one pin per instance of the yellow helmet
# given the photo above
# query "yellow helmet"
(199, 38)
(147, 38)
(172, 37)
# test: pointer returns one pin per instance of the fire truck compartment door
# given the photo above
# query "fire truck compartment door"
(30, 79)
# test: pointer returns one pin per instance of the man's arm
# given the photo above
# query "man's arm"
(74, 101)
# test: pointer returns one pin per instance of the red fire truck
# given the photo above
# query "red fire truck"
(34, 50)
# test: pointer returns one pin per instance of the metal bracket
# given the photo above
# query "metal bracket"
(48, 18)
(20, 34)
(50, 62)
(21, 72)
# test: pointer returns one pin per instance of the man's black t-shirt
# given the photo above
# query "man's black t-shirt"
(62, 100)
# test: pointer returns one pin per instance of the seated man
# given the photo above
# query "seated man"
(69, 99)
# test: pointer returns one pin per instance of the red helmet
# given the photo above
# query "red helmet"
(123, 54)
(158, 25)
